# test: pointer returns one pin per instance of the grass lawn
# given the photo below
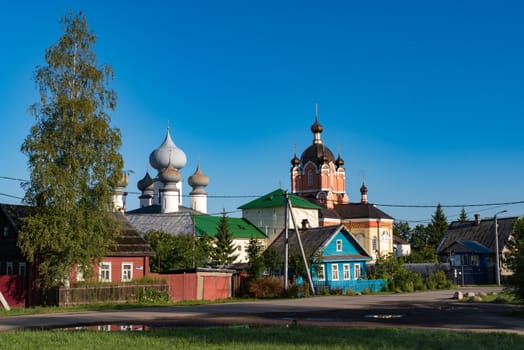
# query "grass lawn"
(233, 338)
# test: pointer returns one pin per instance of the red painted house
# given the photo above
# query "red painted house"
(127, 260)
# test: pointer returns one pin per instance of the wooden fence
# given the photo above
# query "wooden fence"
(114, 293)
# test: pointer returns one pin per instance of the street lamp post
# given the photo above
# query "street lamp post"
(497, 257)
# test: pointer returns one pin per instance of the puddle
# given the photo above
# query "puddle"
(384, 316)
(109, 328)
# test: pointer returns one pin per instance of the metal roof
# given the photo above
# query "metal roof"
(240, 228)
(313, 240)
(276, 199)
(482, 232)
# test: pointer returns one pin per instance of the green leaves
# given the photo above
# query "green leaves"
(73, 156)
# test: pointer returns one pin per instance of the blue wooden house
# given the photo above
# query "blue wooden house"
(336, 259)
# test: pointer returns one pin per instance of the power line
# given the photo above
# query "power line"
(9, 195)
(449, 205)
(12, 178)
(377, 204)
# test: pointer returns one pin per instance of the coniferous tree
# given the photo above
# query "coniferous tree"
(73, 156)
(256, 260)
(463, 216)
(437, 227)
(223, 252)
(401, 229)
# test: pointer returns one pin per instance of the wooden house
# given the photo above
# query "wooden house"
(336, 259)
(470, 249)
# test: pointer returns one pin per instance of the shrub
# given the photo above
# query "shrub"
(265, 287)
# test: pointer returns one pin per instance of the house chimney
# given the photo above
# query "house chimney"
(477, 219)
(305, 224)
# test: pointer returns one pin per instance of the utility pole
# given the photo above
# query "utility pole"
(304, 259)
(497, 253)
(286, 243)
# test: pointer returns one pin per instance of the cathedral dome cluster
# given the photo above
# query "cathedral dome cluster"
(164, 190)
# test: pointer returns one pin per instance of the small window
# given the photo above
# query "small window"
(320, 273)
(347, 276)
(339, 245)
(6, 231)
(334, 272)
(127, 272)
(80, 273)
(9, 268)
(357, 272)
(374, 244)
(239, 248)
(105, 272)
(22, 269)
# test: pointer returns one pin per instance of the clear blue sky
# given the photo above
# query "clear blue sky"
(424, 98)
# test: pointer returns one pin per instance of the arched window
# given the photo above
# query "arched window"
(384, 240)
(310, 178)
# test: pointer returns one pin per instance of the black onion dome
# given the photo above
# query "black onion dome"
(146, 183)
(318, 154)
(295, 161)
(363, 189)
(339, 162)
(316, 127)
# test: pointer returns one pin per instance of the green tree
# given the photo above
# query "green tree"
(256, 260)
(73, 156)
(514, 260)
(162, 243)
(437, 227)
(222, 254)
(421, 251)
(177, 252)
(273, 260)
(401, 229)
(463, 216)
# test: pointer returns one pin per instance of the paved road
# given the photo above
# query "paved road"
(434, 310)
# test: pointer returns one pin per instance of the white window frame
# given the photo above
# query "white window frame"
(22, 269)
(127, 277)
(356, 272)
(127, 267)
(374, 243)
(334, 272)
(321, 273)
(339, 245)
(103, 269)
(9, 268)
(346, 272)
(80, 274)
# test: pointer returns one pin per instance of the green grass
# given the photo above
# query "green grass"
(260, 338)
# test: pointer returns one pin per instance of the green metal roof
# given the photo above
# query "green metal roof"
(240, 228)
(276, 199)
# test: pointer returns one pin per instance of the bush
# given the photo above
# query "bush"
(265, 287)
(149, 295)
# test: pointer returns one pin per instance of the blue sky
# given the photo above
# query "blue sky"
(425, 99)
